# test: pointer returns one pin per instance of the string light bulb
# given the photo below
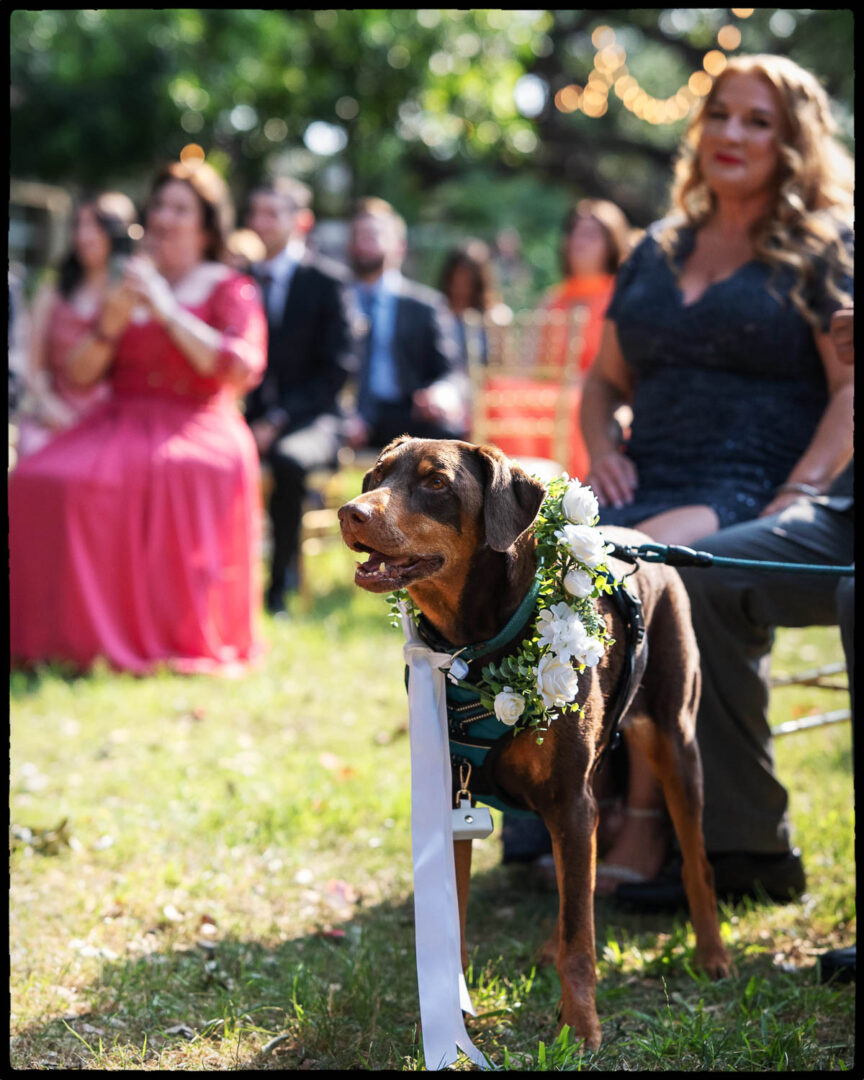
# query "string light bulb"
(610, 71)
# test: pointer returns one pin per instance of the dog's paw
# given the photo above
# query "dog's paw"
(715, 963)
(586, 1029)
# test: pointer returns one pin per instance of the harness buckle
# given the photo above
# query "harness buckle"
(464, 777)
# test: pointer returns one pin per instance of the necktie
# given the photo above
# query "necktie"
(366, 298)
(265, 280)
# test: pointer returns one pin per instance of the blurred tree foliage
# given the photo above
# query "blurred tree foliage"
(419, 106)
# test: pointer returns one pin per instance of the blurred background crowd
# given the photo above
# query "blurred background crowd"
(240, 246)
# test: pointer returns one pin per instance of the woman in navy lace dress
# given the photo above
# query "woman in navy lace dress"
(717, 334)
(717, 337)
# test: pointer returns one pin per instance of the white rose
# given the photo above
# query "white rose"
(591, 650)
(556, 680)
(509, 706)
(585, 543)
(553, 624)
(580, 504)
(574, 642)
(579, 583)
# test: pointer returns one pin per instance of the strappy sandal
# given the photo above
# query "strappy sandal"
(616, 873)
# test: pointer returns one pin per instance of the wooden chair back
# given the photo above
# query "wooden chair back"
(526, 386)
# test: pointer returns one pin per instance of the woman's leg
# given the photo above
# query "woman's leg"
(683, 525)
(639, 849)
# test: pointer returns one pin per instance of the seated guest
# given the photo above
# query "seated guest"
(64, 312)
(411, 378)
(735, 611)
(18, 340)
(717, 336)
(294, 414)
(717, 332)
(466, 283)
(134, 535)
(595, 238)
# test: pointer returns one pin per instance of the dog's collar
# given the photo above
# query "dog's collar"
(514, 624)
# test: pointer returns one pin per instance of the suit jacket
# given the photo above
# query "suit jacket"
(425, 344)
(311, 350)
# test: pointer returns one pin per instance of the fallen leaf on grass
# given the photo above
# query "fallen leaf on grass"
(41, 841)
(180, 1029)
(334, 934)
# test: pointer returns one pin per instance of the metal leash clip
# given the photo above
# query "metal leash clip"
(469, 822)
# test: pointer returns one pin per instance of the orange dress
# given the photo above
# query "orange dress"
(592, 292)
(134, 535)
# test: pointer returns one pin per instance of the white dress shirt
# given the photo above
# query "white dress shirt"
(281, 269)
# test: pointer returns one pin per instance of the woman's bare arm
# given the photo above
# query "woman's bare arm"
(607, 386)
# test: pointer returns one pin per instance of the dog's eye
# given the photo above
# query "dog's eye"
(434, 482)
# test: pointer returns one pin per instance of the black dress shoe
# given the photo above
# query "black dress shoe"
(286, 582)
(837, 965)
(736, 875)
(274, 602)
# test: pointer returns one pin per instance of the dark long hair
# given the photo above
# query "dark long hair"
(476, 256)
(217, 211)
(614, 223)
(114, 213)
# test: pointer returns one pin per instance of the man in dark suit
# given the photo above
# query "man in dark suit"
(412, 379)
(294, 412)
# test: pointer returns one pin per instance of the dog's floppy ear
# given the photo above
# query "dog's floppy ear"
(512, 498)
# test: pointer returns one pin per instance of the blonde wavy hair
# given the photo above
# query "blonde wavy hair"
(813, 206)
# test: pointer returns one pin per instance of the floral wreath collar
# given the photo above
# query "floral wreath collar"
(540, 678)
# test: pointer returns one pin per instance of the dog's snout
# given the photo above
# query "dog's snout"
(354, 513)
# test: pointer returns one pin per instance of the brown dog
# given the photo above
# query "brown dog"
(451, 523)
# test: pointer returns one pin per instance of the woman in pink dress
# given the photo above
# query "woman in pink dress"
(65, 312)
(134, 535)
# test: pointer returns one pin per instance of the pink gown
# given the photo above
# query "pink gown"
(66, 327)
(134, 535)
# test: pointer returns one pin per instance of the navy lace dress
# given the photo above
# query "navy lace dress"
(728, 390)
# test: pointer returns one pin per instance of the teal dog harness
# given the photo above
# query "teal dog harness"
(476, 734)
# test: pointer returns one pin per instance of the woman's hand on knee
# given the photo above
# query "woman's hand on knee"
(613, 479)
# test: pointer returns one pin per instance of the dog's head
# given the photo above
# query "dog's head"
(429, 504)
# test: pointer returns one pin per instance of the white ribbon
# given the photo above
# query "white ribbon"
(440, 981)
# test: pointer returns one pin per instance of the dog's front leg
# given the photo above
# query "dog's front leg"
(574, 849)
(462, 857)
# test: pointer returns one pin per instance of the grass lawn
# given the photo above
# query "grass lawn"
(231, 884)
